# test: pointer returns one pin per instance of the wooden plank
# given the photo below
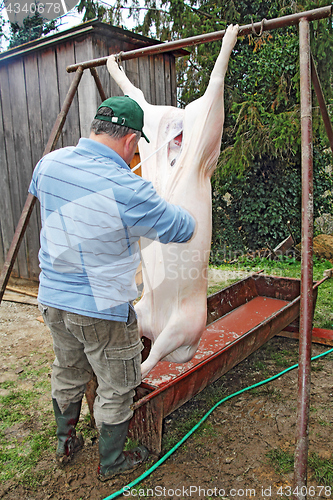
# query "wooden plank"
(132, 71)
(34, 107)
(152, 79)
(167, 79)
(144, 78)
(35, 124)
(7, 136)
(87, 91)
(6, 222)
(23, 156)
(19, 297)
(159, 79)
(16, 205)
(71, 130)
(101, 49)
(49, 94)
(173, 82)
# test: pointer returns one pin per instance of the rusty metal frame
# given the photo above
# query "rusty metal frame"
(247, 29)
(307, 72)
(321, 101)
(31, 200)
(306, 312)
(169, 385)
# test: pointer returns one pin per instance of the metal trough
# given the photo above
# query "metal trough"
(240, 319)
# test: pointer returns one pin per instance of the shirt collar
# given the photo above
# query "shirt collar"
(97, 148)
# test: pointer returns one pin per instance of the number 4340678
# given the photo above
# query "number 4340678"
(31, 8)
(304, 491)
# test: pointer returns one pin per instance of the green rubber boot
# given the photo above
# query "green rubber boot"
(68, 442)
(113, 460)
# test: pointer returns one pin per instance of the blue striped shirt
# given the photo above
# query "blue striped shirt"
(93, 211)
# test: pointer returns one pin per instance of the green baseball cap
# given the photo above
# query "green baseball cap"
(126, 112)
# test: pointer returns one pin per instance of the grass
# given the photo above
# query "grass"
(322, 468)
(284, 358)
(21, 444)
(282, 461)
(27, 432)
(182, 425)
(27, 426)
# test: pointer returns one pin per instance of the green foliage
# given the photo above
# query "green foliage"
(92, 10)
(254, 209)
(262, 109)
(2, 31)
(33, 27)
(259, 165)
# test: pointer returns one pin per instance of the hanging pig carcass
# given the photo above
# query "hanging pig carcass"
(172, 312)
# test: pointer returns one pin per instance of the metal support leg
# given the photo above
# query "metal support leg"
(94, 73)
(31, 200)
(306, 307)
(146, 425)
(321, 101)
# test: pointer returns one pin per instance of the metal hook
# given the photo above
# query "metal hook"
(261, 27)
(118, 58)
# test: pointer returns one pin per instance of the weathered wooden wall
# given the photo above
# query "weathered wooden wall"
(33, 86)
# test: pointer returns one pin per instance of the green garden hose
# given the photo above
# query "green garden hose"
(170, 452)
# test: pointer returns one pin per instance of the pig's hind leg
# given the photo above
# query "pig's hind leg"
(173, 344)
(168, 347)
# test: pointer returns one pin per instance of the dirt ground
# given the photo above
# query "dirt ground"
(227, 458)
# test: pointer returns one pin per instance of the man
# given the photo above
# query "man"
(93, 211)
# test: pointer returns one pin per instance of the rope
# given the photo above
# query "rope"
(261, 27)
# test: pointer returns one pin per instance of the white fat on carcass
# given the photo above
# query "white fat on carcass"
(172, 312)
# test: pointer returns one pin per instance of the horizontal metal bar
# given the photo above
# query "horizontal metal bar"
(264, 25)
(319, 335)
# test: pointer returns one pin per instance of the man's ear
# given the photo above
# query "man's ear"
(130, 140)
(130, 144)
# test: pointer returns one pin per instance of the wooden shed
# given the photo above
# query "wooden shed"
(33, 86)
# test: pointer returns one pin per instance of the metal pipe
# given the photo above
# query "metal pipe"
(306, 305)
(31, 200)
(59, 123)
(264, 25)
(321, 101)
(98, 84)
